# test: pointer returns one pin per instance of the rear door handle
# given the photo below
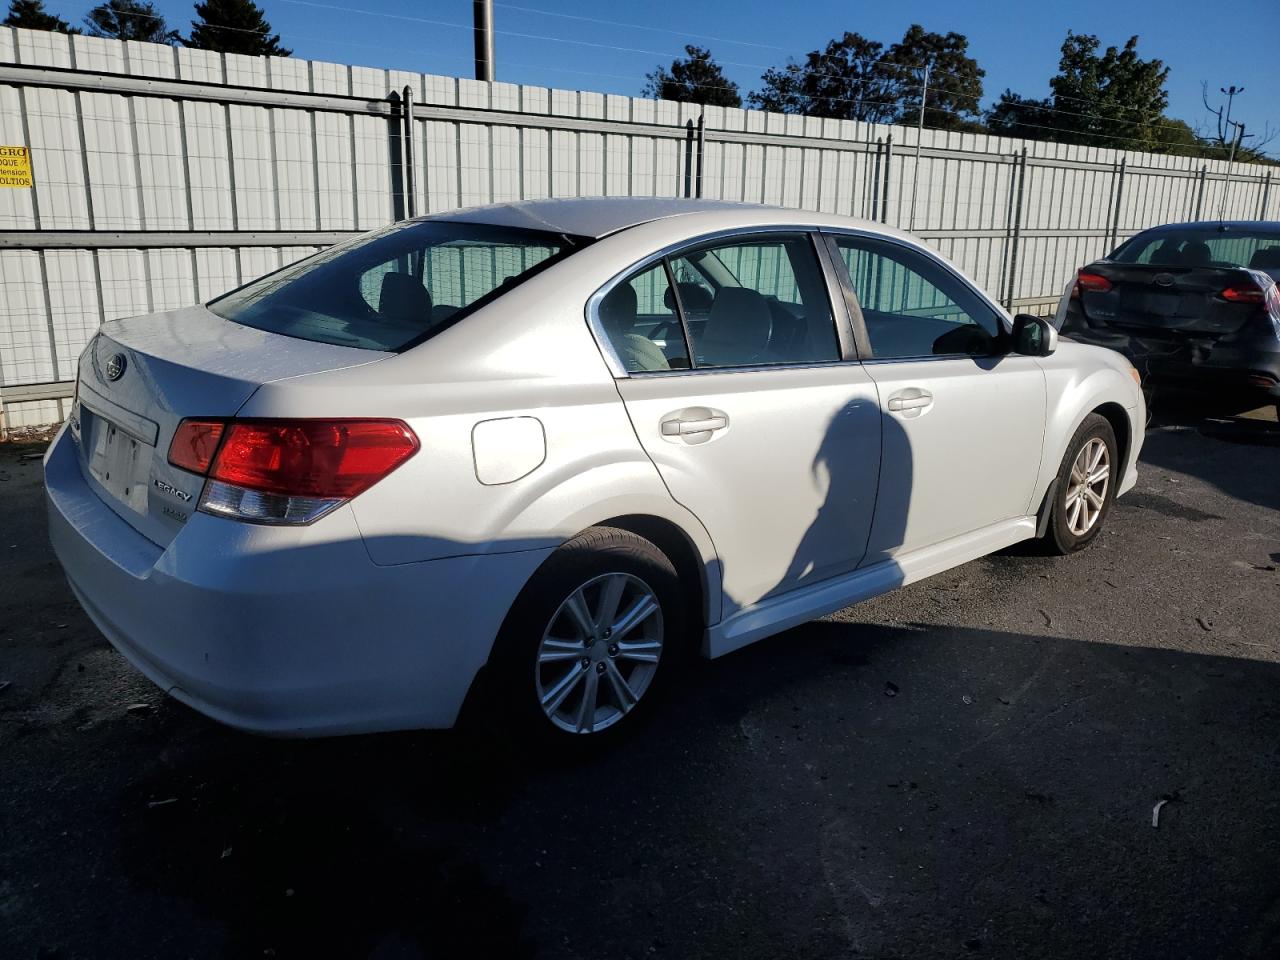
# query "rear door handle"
(694, 424)
(911, 401)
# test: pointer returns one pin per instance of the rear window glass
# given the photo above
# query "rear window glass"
(396, 288)
(1203, 247)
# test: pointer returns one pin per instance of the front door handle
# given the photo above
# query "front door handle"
(694, 424)
(911, 402)
(679, 428)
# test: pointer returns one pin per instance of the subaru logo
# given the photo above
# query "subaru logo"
(1163, 279)
(116, 366)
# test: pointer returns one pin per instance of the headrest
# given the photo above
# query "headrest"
(738, 328)
(1265, 258)
(1195, 253)
(694, 297)
(618, 310)
(1166, 253)
(404, 299)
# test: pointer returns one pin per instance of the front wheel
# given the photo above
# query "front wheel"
(591, 640)
(1085, 488)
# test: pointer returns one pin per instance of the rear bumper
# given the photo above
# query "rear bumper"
(1242, 365)
(285, 631)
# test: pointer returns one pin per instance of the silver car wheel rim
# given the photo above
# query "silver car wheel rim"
(1087, 489)
(599, 653)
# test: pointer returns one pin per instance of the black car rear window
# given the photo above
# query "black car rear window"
(1203, 247)
(396, 288)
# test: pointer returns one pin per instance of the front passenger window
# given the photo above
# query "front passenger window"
(914, 307)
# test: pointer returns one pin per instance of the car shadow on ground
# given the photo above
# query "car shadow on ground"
(844, 786)
(1231, 461)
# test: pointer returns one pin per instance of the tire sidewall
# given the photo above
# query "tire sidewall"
(598, 551)
(1094, 426)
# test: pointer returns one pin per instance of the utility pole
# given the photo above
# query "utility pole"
(915, 180)
(1231, 159)
(483, 10)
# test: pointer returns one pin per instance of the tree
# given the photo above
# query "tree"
(696, 78)
(847, 80)
(1014, 115)
(1104, 100)
(129, 20)
(855, 78)
(234, 26)
(31, 15)
(955, 79)
(1222, 136)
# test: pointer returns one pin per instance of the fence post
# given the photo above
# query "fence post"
(395, 155)
(873, 207)
(702, 146)
(411, 196)
(1115, 215)
(1200, 192)
(888, 160)
(1017, 230)
(1262, 201)
(688, 159)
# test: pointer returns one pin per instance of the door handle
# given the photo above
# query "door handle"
(693, 424)
(912, 401)
(678, 428)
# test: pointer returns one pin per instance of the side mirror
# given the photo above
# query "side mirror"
(1033, 336)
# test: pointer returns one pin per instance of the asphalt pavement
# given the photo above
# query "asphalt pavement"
(966, 768)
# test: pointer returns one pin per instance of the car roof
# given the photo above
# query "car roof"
(1225, 226)
(598, 217)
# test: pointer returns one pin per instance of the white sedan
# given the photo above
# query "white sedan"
(536, 452)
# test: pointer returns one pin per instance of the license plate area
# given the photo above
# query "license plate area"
(1151, 304)
(117, 460)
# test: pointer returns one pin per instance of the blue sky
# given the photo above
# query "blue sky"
(1015, 41)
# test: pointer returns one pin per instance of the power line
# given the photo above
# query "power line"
(904, 85)
(821, 56)
(729, 87)
(637, 26)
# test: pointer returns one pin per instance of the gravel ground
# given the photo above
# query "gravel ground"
(965, 768)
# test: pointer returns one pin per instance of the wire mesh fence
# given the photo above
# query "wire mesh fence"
(164, 176)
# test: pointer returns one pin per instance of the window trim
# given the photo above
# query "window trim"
(855, 307)
(845, 338)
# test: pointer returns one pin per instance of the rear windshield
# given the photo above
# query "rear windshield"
(1203, 247)
(396, 288)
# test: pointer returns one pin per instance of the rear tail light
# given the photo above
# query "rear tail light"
(288, 471)
(1242, 293)
(194, 444)
(1090, 283)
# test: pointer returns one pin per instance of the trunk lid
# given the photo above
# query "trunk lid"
(1160, 301)
(141, 376)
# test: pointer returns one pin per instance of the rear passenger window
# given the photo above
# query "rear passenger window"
(639, 317)
(757, 301)
(912, 306)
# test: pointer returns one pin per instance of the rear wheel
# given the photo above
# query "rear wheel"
(591, 640)
(1085, 488)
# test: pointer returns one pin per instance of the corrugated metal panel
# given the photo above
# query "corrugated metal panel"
(113, 158)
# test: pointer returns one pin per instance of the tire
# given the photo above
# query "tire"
(1079, 511)
(557, 646)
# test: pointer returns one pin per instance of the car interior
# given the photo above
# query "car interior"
(730, 321)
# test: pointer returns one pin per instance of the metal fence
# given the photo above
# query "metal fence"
(164, 176)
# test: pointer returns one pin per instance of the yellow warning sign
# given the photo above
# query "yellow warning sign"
(15, 167)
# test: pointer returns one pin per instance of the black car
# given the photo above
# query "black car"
(1194, 306)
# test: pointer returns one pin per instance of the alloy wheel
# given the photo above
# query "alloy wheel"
(1087, 489)
(599, 653)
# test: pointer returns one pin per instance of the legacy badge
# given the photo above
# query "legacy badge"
(172, 490)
